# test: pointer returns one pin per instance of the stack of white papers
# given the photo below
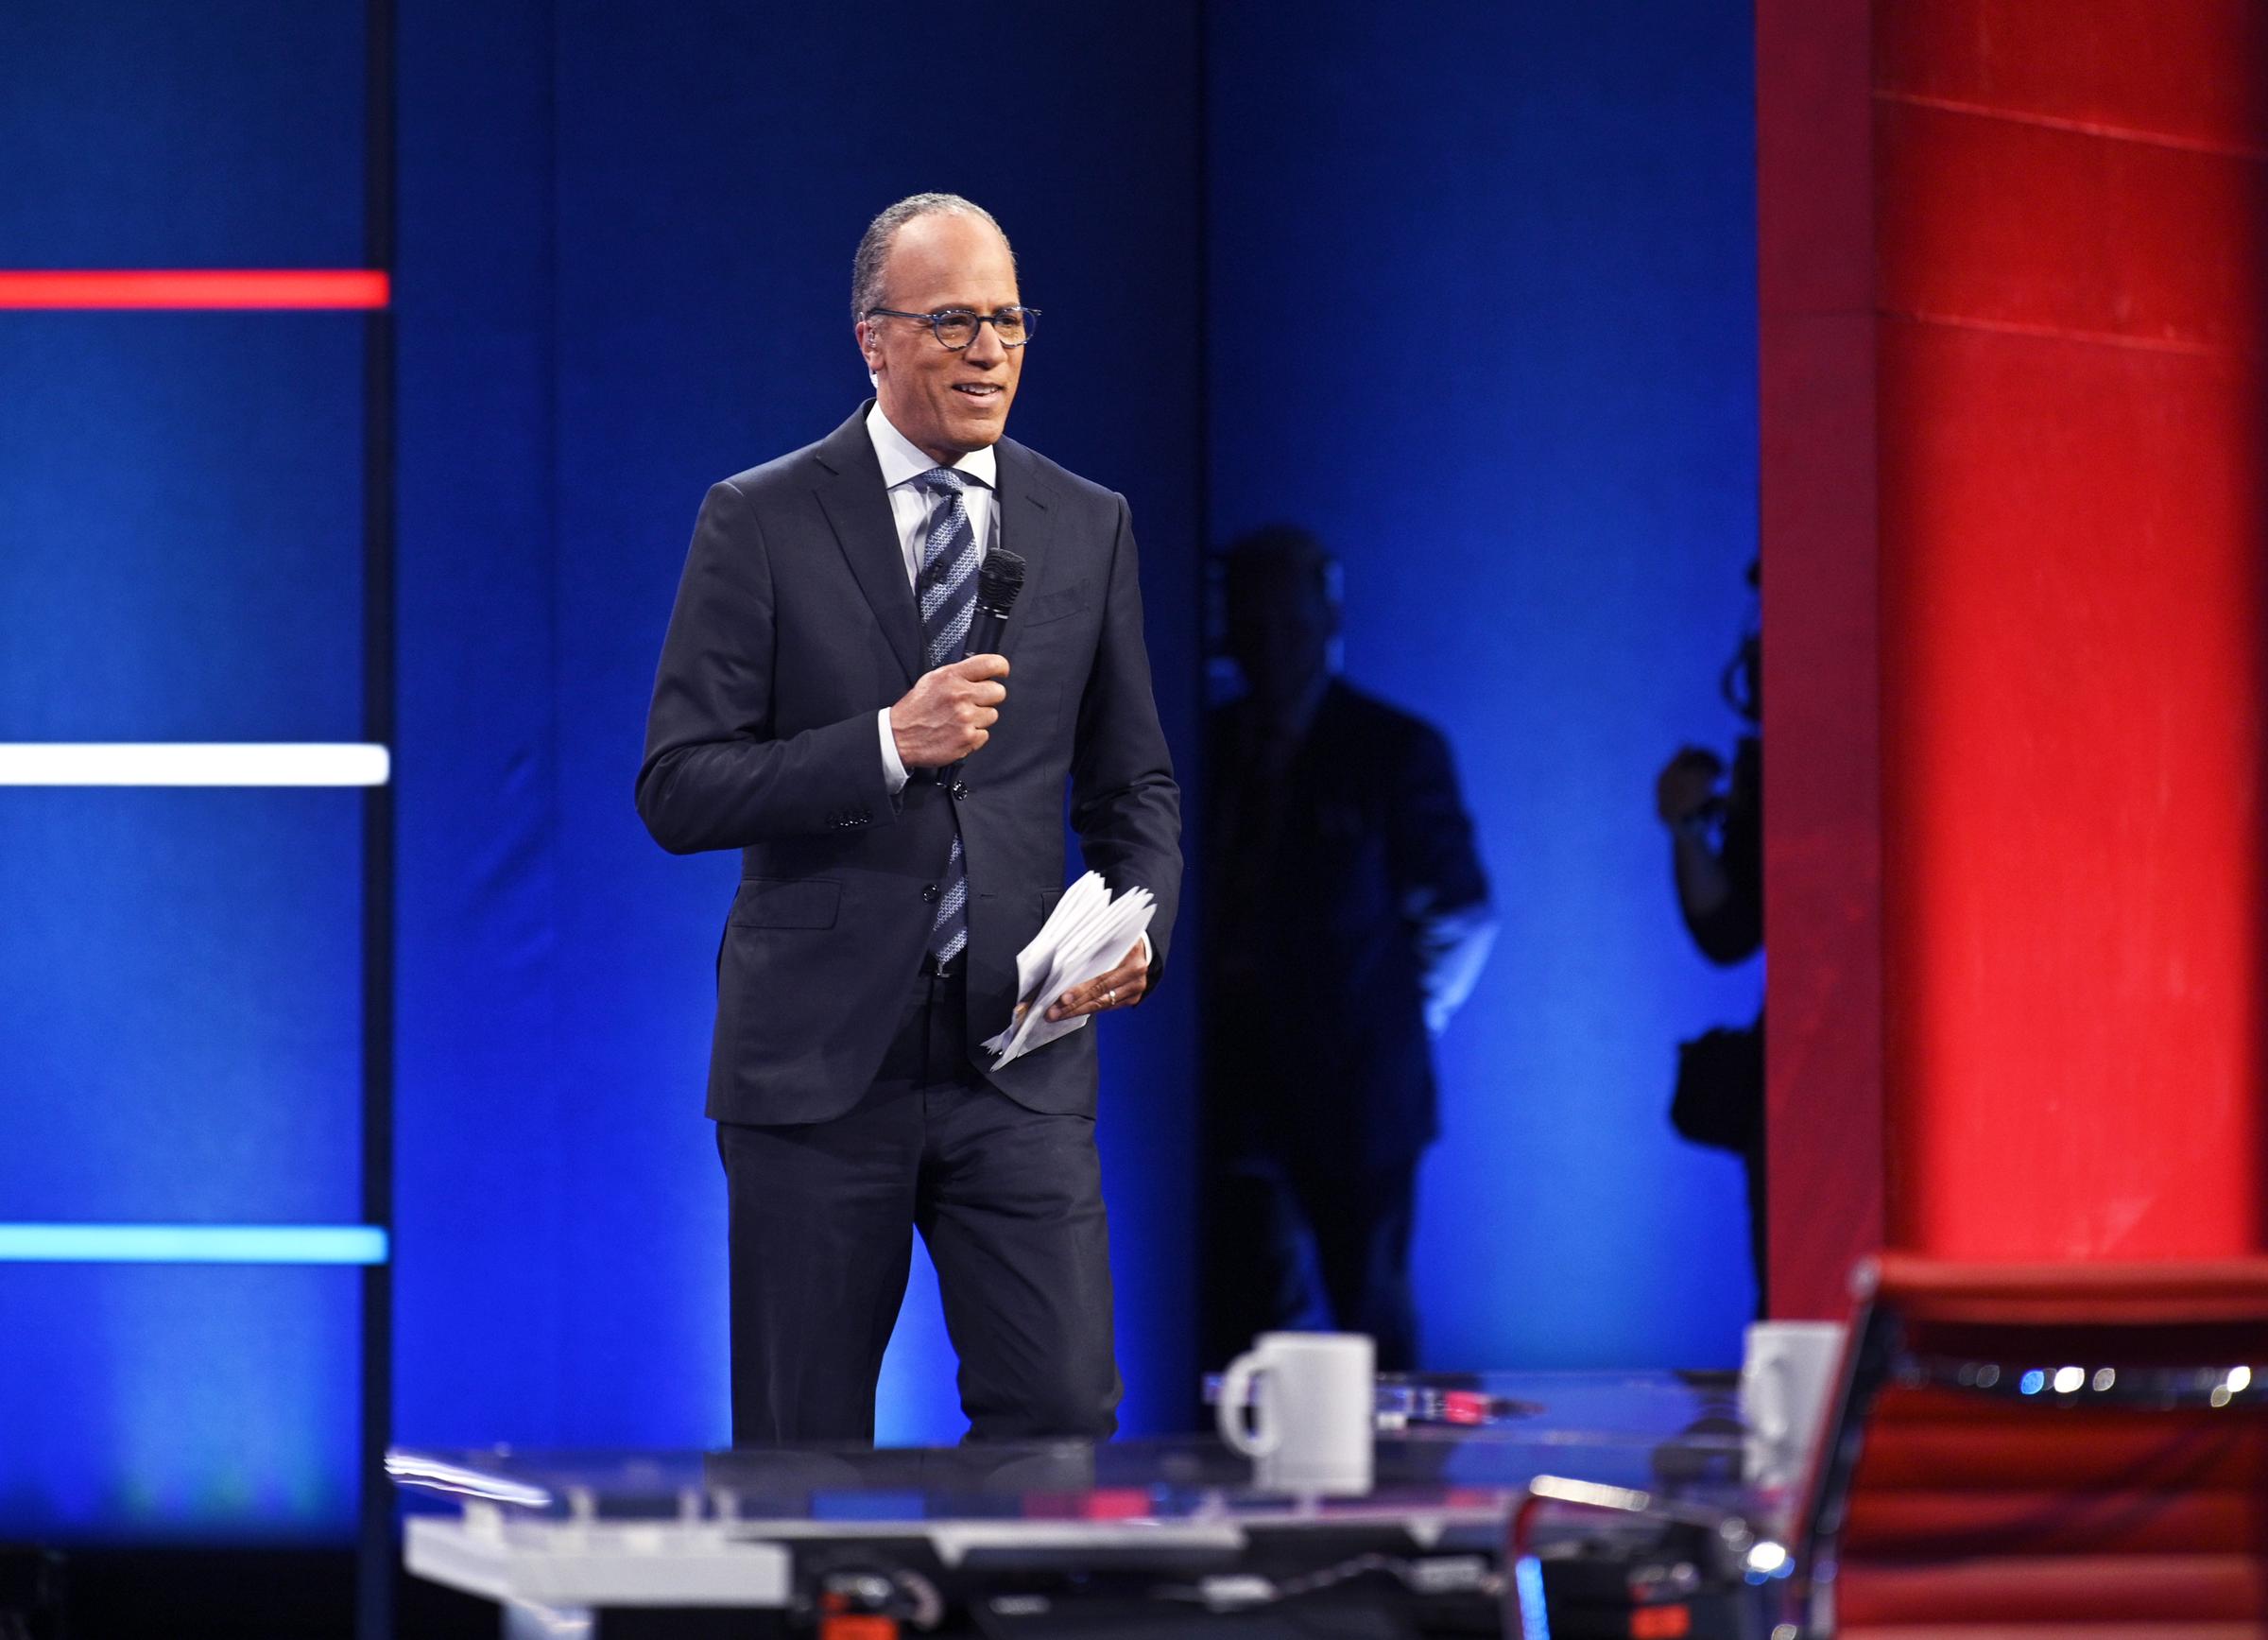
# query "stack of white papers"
(1084, 939)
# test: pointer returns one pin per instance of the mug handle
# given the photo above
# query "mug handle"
(1236, 1389)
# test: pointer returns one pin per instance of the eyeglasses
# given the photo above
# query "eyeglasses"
(956, 327)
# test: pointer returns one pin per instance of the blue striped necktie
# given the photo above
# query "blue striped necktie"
(946, 590)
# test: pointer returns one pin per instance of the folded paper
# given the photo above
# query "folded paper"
(1086, 936)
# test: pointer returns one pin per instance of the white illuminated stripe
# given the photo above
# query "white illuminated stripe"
(90, 763)
(191, 1244)
(445, 1476)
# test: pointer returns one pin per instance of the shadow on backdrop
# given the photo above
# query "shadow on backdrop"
(1715, 816)
(1349, 919)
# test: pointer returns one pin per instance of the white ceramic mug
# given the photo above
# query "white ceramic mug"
(1313, 1398)
(1786, 1377)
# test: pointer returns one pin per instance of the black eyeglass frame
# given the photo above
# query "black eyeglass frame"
(935, 322)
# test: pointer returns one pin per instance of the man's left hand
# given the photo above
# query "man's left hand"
(1120, 988)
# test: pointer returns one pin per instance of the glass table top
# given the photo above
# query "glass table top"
(1447, 1444)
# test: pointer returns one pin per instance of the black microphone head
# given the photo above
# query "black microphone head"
(998, 582)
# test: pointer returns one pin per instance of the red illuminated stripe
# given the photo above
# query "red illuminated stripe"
(203, 287)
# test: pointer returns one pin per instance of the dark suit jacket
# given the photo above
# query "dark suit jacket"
(795, 624)
(1318, 1049)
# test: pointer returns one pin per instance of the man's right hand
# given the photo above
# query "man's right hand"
(950, 713)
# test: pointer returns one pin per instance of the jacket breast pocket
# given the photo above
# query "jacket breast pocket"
(786, 902)
(1054, 606)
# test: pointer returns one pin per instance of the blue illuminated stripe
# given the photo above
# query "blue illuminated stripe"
(1527, 1579)
(191, 1244)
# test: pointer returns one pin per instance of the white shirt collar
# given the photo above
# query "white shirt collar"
(901, 458)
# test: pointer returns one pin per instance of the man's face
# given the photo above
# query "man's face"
(947, 402)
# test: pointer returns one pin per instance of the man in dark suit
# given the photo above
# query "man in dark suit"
(899, 806)
(1349, 918)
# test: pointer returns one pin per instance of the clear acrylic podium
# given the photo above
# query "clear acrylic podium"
(1008, 1538)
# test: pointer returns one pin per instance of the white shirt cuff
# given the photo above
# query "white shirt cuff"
(893, 771)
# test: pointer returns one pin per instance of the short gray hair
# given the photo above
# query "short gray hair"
(874, 245)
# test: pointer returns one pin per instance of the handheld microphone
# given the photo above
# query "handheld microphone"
(999, 579)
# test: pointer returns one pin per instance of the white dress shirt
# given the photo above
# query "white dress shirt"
(913, 509)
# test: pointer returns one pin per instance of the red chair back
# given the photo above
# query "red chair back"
(2047, 1450)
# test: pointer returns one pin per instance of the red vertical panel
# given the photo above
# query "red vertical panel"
(1817, 374)
(2012, 257)
(2072, 814)
(2072, 517)
(2182, 71)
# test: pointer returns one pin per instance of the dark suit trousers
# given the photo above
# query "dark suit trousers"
(1010, 1203)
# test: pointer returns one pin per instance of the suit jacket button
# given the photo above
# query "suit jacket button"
(929, 890)
(960, 789)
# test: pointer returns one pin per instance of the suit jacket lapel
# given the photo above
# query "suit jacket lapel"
(858, 509)
(1022, 505)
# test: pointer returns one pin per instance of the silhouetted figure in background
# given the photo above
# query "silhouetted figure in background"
(1349, 917)
(1717, 821)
